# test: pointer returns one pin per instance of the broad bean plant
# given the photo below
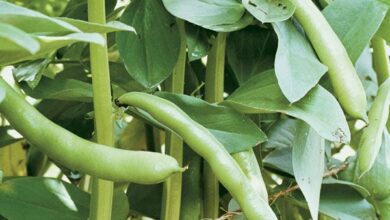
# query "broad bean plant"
(194, 109)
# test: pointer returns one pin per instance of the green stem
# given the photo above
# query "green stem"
(102, 190)
(173, 186)
(380, 59)
(213, 93)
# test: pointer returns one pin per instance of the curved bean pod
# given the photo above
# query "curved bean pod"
(248, 163)
(345, 81)
(371, 139)
(79, 154)
(206, 145)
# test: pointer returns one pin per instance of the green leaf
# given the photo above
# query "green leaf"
(46, 198)
(14, 39)
(120, 77)
(252, 55)
(245, 21)
(197, 41)
(363, 191)
(31, 72)
(33, 22)
(386, 2)
(367, 75)
(355, 22)
(120, 205)
(206, 12)
(78, 9)
(89, 27)
(61, 89)
(296, 66)
(339, 201)
(319, 108)
(145, 199)
(308, 164)
(2, 94)
(281, 134)
(70, 115)
(50, 44)
(270, 10)
(5, 136)
(235, 131)
(384, 29)
(280, 159)
(151, 55)
(43, 199)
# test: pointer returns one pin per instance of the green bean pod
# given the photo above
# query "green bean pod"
(371, 139)
(79, 154)
(345, 81)
(206, 145)
(248, 163)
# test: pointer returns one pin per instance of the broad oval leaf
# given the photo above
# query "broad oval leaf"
(206, 12)
(245, 20)
(90, 27)
(50, 44)
(14, 39)
(33, 22)
(367, 75)
(7, 135)
(281, 134)
(151, 55)
(355, 22)
(280, 159)
(61, 89)
(319, 108)
(308, 164)
(145, 199)
(235, 131)
(252, 55)
(198, 44)
(330, 180)
(42, 198)
(296, 66)
(78, 9)
(384, 29)
(31, 72)
(339, 201)
(270, 10)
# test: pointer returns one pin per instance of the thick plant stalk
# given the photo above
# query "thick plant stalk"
(345, 81)
(173, 186)
(102, 190)
(213, 93)
(380, 59)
